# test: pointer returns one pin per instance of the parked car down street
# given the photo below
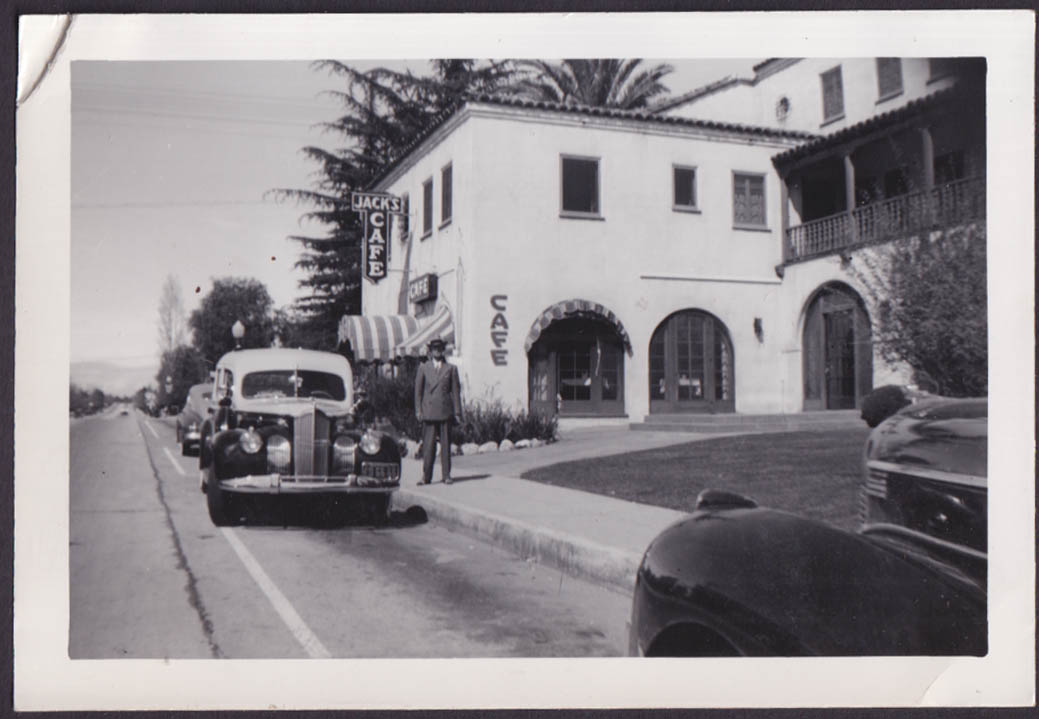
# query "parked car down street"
(738, 579)
(189, 421)
(284, 423)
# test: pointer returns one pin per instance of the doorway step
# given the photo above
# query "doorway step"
(737, 423)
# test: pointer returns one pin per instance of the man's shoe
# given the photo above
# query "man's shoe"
(447, 480)
(423, 481)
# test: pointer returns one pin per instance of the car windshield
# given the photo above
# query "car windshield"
(293, 383)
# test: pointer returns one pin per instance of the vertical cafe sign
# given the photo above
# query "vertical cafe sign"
(377, 209)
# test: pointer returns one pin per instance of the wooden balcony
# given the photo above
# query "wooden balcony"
(945, 205)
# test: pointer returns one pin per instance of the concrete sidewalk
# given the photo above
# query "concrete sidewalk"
(588, 535)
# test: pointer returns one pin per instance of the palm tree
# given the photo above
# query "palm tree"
(595, 83)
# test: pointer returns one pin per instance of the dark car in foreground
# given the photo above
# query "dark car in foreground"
(284, 424)
(189, 421)
(736, 579)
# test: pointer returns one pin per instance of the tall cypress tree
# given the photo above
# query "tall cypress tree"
(384, 110)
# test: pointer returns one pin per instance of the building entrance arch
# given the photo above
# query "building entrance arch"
(837, 348)
(691, 365)
(575, 355)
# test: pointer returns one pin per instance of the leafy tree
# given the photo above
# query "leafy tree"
(172, 321)
(384, 110)
(179, 368)
(612, 83)
(232, 299)
(931, 306)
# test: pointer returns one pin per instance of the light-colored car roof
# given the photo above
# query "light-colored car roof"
(243, 361)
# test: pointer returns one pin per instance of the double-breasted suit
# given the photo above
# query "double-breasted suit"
(438, 401)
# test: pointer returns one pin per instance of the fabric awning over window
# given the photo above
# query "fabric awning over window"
(442, 327)
(373, 337)
(575, 308)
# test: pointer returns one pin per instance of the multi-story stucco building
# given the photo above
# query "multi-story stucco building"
(602, 263)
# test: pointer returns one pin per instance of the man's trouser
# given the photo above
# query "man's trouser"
(432, 432)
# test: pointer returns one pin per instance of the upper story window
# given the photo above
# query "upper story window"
(833, 94)
(684, 188)
(748, 200)
(889, 77)
(580, 186)
(405, 219)
(427, 207)
(445, 195)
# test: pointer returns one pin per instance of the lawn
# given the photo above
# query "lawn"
(816, 474)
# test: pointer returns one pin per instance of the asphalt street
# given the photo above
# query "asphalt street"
(150, 576)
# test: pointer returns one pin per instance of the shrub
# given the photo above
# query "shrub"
(534, 425)
(883, 402)
(391, 400)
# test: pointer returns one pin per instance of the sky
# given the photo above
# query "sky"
(170, 165)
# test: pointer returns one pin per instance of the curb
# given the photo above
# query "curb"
(573, 555)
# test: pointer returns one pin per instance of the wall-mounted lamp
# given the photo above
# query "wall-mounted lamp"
(759, 331)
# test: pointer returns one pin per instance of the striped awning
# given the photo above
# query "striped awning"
(373, 337)
(575, 308)
(441, 326)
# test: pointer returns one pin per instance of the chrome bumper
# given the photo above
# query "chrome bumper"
(288, 484)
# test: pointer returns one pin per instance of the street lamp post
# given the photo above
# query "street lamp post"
(238, 332)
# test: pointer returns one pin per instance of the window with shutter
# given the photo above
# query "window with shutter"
(889, 77)
(748, 200)
(445, 195)
(427, 207)
(833, 94)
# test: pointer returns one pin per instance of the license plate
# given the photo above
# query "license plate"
(380, 470)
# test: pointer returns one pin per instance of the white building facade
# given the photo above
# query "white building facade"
(597, 263)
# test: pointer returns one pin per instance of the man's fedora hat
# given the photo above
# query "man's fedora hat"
(437, 344)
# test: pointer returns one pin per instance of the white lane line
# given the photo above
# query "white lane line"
(175, 463)
(150, 429)
(311, 644)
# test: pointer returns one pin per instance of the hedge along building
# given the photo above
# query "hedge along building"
(602, 263)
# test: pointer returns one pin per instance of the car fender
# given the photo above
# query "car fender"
(775, 583)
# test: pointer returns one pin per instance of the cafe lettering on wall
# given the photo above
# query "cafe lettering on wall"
(377, 209)
(422, 289)
(499, 330)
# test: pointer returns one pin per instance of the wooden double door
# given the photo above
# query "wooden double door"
(576, 368)
(838, 350)
(691, 365)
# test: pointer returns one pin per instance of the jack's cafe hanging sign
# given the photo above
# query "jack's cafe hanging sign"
(377, 209)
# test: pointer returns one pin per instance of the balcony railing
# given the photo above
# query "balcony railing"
(945, 205)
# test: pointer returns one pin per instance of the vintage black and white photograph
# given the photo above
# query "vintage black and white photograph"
(656, 357)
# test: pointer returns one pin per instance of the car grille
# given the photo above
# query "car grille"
(876, 483)
(311, 443)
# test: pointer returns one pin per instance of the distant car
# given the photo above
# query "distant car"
(736, 579)
(189, 421)
(124, 412)
(285, 423)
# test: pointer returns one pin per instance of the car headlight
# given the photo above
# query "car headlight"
(343, 452)
(279, 453)
(371, 443)
(250, 441)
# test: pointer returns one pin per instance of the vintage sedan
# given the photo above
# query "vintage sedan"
(736, 579)
(189, 421)
(284, 423)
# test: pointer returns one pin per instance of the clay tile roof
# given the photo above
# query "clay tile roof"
(576, 109)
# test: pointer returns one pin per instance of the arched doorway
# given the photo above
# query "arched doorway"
(575, 353)
(691, 365)
(837, 347)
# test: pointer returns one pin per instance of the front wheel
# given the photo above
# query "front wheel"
(219, 502)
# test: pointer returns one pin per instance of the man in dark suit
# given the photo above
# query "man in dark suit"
(438, 403)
